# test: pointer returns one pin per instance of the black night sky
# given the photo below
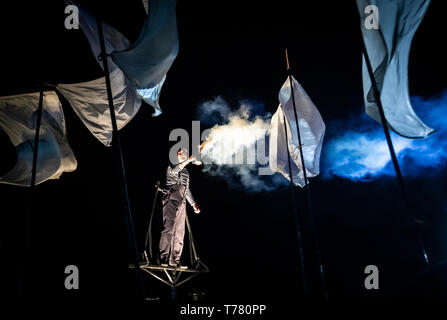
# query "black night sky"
(248, 240)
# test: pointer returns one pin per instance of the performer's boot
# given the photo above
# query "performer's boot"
(164, 262)
(179, 265)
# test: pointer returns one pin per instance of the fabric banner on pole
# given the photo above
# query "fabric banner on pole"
(113, 39)
(388, 49)
(149, 59)
(18, 120)
(89, 101)
(312, 129)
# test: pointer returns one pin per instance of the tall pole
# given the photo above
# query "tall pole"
(148, 240)
(386, 130)
(118, 150)
(384, 122)
(36, 139)
(295, 212)
(306, 185)
(22, 279)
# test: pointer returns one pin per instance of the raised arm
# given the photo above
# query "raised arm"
(178, 167)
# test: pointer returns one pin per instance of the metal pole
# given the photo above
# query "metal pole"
(36, 138)
(117, 146)
(307, 186)
(22, 280)
(148, 240)
(295, 213)
(390, 142)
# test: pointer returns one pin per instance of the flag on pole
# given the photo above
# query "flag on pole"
(18, 119)
(388, 49)
(149, 59)
(113, 39)
(89, 99)
(311, 128)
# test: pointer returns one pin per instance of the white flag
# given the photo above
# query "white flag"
(18, 116)
(388, 49)
(89, 99)
(146, 6)
(113, 39)
(311, 128)
(148, 60)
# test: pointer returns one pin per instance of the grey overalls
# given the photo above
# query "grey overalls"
(174, 213)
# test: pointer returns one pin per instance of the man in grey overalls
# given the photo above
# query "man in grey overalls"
(174, 211)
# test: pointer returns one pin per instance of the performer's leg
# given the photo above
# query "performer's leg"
(179, 233)
(169, 213)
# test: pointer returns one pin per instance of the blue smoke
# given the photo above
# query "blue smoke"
(215, 111)
(360, 153)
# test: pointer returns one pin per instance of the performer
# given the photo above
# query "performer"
(174, 210)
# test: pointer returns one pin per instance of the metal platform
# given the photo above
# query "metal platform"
(171, 275)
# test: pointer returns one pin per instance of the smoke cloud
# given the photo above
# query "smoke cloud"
(360, 153)
(236, 147)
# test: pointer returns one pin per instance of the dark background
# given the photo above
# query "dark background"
(247, 240)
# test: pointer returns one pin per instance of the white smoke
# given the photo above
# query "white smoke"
(236, 148)
(234, 143)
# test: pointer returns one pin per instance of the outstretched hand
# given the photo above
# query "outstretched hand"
(196, 208)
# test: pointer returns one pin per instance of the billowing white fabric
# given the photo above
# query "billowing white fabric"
(152, 96)
(146, 6)
(388, 49)
(311, 128)
(148, 60)
(113, 39)
(89, 101)
(18, 117)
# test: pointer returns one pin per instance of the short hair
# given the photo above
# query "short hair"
(182, 149)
